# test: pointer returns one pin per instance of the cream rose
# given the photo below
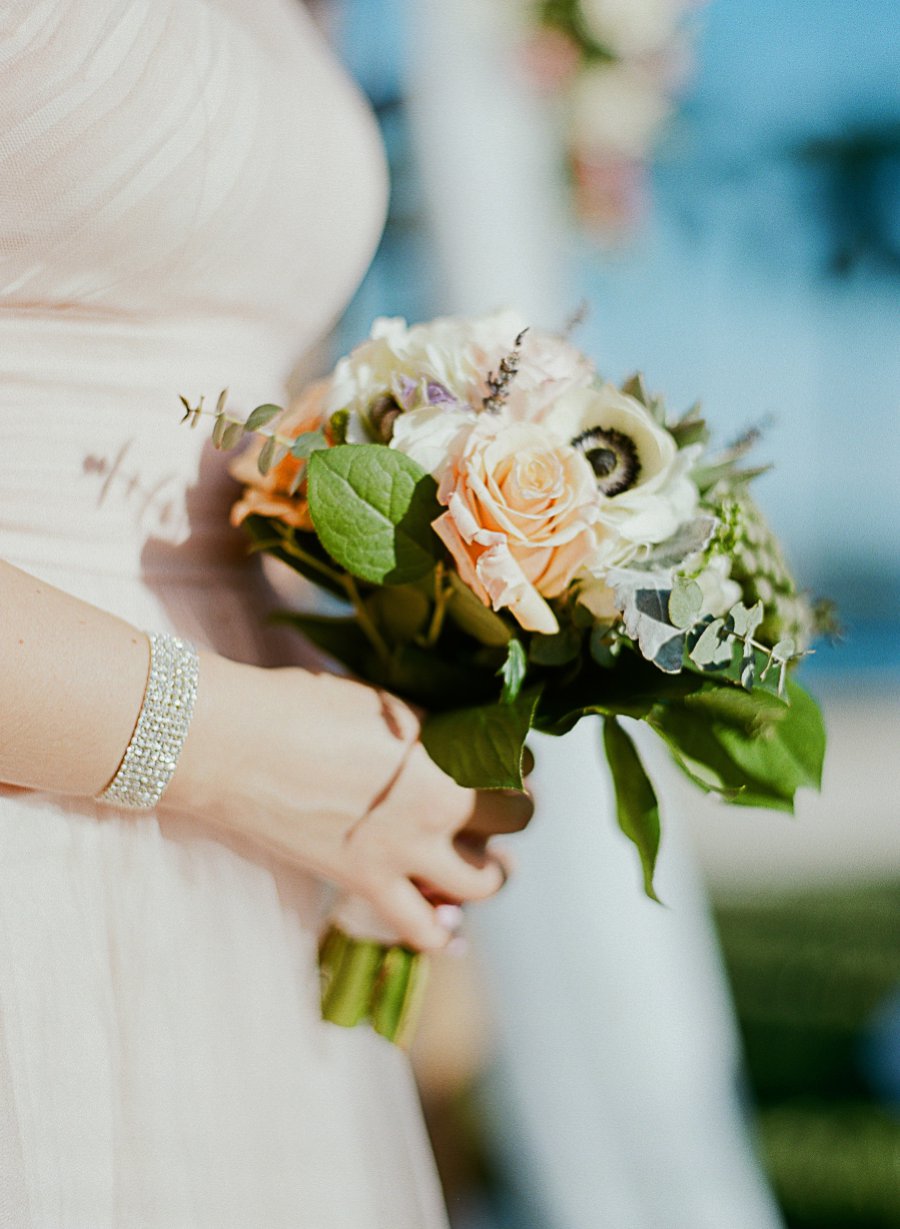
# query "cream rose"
(521, 510)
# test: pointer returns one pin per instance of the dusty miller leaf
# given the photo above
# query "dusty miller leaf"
(692, 537)
(643, 598)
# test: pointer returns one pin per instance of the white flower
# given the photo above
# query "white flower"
(435, 437)
(631, 27)
(643, 478)
(445, 363)
(617, 109)
(719, 591)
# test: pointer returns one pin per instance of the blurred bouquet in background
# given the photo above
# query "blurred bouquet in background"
(520, 544)
(614, 68)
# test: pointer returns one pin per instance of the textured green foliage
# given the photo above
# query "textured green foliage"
(636, 807)
(373, 508)
(760, 757)
(482, 747)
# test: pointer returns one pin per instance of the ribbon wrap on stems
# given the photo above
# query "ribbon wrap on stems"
(367, 976)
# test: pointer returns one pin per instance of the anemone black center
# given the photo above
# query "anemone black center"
(612, 456)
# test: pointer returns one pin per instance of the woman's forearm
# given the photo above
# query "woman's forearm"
(72, 679)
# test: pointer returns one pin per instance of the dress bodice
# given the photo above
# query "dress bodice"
(190, 190)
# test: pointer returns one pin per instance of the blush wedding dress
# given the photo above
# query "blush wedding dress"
(190, 190)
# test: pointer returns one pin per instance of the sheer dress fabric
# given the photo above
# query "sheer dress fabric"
(190, 190)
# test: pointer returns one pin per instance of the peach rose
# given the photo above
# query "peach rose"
(270, 494)
(520, 517)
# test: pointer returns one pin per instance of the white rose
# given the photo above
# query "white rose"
(434, 437)
(631, 27)
(617, 109)
(445, 363)
(719, 591)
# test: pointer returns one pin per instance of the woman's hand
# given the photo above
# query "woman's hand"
(330, 774)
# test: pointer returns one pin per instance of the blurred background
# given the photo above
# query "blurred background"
(734, 232)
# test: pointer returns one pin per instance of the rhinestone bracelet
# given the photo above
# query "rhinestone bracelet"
(162, 725)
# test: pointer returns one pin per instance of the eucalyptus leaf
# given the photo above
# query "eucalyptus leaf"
(685, 602)
(261, 416)
(373, 508)
(746, 620)
(271, 454)
(306, 443)
(220, 400)
(219, 428)
(232, 435)
(712, 647)
(637, 809)
(482, 747)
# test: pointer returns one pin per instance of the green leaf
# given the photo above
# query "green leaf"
(373, 508)
(401, 612)
(471, 615)
(339, 638)
(513, 671)
(482, 747)
(556, 650)
(262, 415)
(274, 539)
(764, 764)
(636, 807)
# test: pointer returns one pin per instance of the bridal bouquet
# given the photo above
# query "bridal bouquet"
(520, 544)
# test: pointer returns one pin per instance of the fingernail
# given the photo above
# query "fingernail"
(449, 917)
(457, 947)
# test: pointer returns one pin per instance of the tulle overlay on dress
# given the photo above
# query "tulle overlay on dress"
(175, 217)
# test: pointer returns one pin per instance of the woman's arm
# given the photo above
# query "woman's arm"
(71, 683)
(327, 772)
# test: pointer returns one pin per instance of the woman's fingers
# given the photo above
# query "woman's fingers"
(455, 877)
(416, 922)
(499, 811)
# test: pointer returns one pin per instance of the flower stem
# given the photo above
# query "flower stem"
(364, 619)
